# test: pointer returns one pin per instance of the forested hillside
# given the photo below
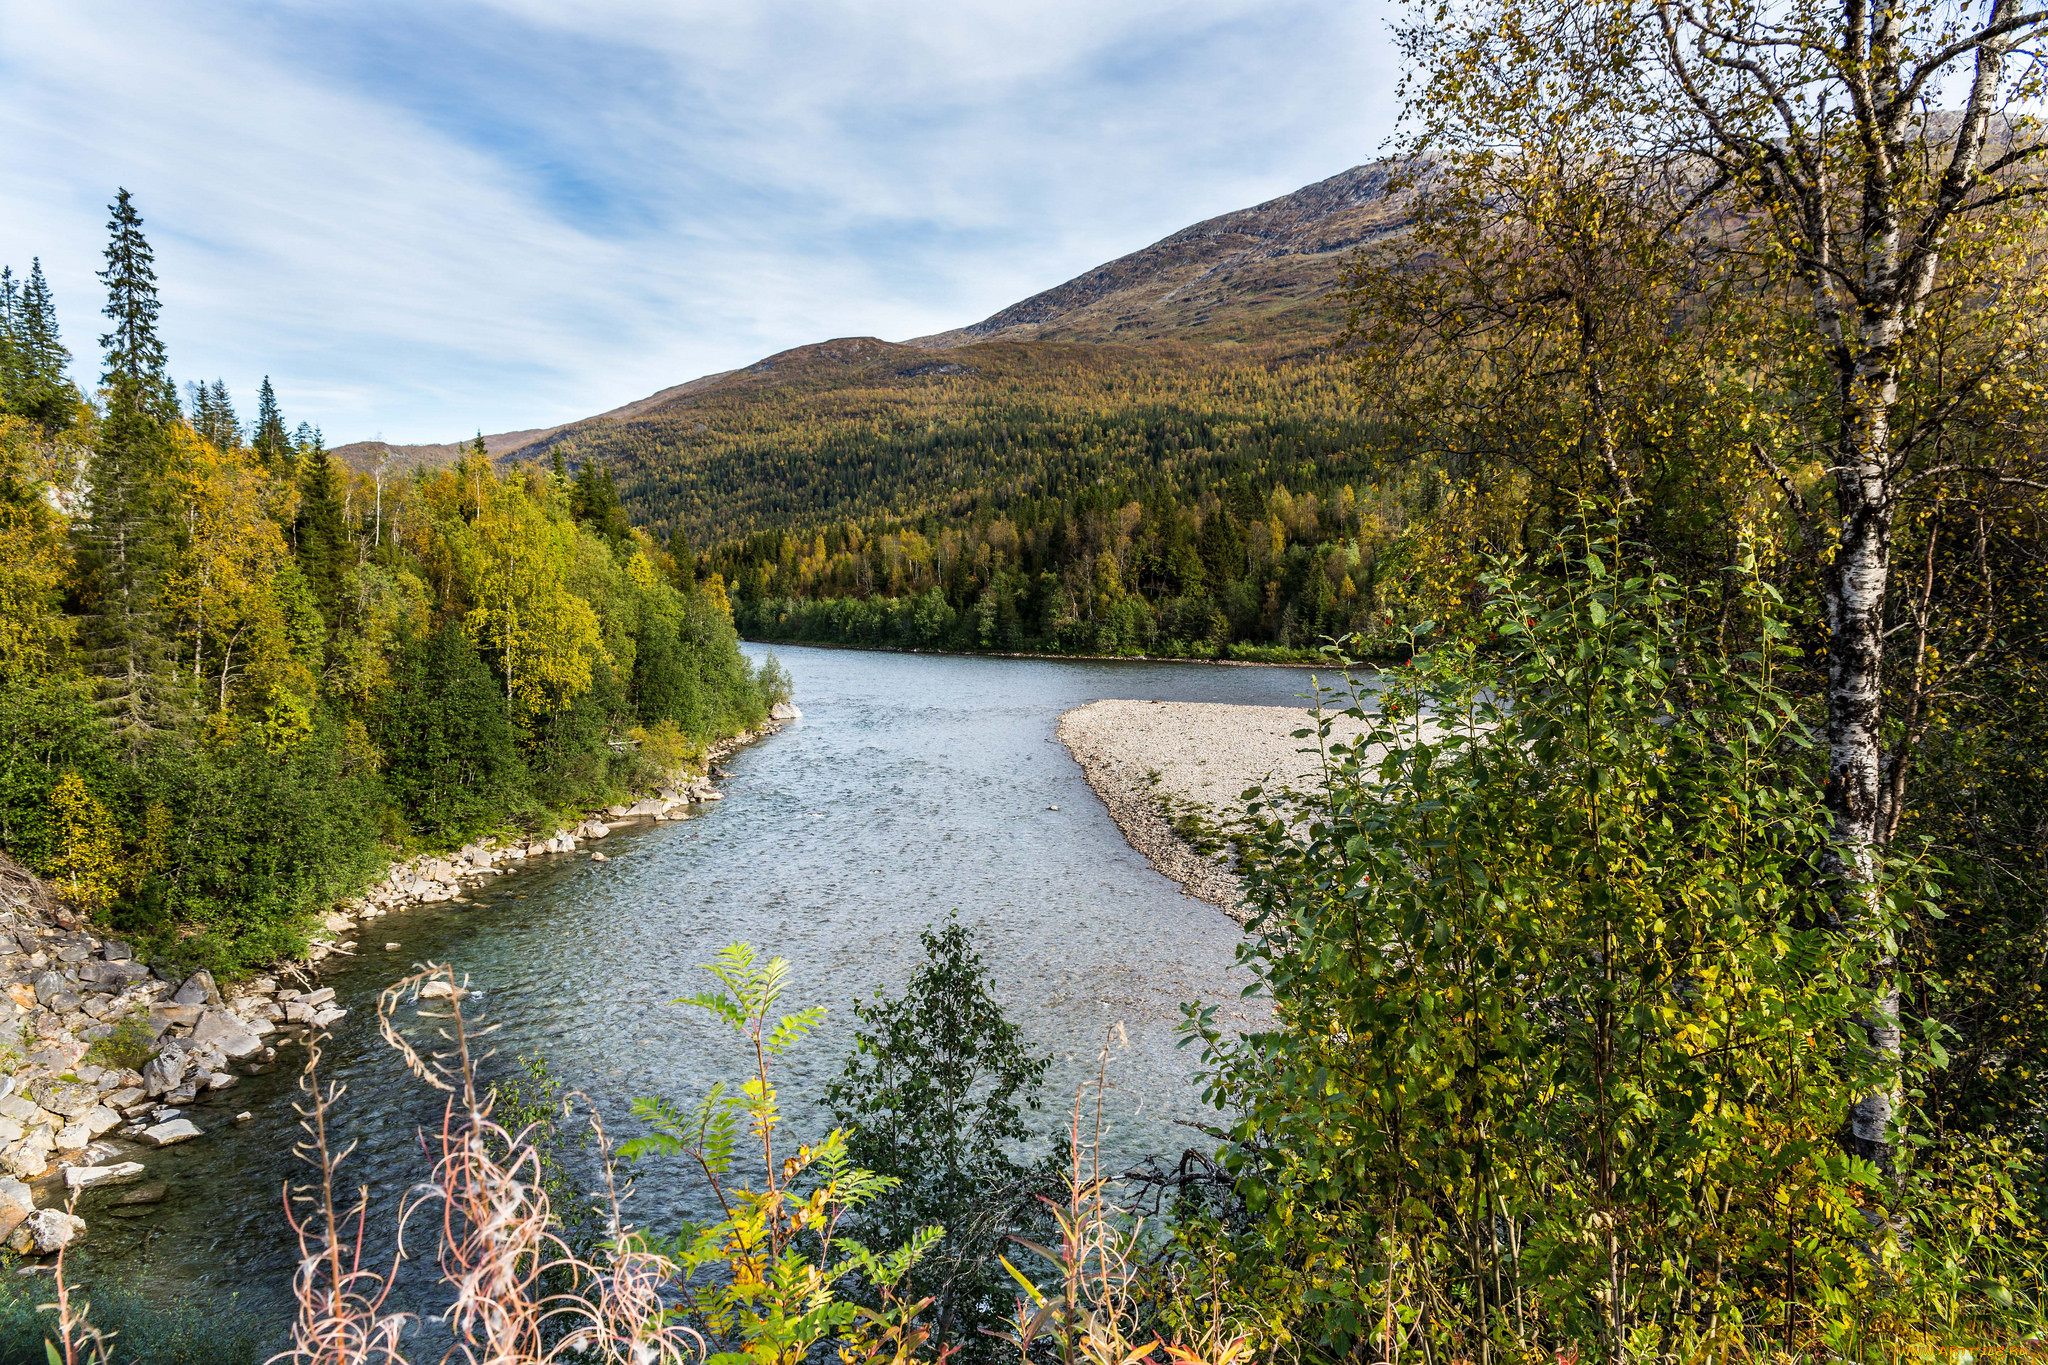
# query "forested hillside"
(1042, 480)
(235, 675)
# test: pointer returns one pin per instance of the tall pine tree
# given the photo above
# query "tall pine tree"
(32, 357)
(125, 538)
(320, 532)
(213, 415)
(269, 440)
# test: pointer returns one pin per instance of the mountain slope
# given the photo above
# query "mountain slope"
(1270, 272)
(1191, 348)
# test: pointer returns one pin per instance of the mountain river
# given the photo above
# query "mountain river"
(914, 784)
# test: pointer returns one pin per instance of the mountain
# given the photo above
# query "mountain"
(1212, 334)
(1274, 271)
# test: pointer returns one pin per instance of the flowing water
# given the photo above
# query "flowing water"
(912, 786)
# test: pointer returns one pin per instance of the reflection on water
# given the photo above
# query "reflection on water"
(913, 785)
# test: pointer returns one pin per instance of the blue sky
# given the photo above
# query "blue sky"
(425, 218)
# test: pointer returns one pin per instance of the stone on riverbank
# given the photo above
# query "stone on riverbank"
(172, 1131)
(45, 1233)
(85, 1177)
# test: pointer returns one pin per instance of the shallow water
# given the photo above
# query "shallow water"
(914, 784)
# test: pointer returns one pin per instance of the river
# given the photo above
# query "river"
(913, 785)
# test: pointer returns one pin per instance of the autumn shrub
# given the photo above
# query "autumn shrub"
(1567, 1027)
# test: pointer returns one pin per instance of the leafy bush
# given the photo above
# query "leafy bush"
(1567, 1028)
(129, 1047)
(936, 1094)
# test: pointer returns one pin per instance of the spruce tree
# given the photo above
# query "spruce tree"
(125, 536)
(321, 530)
(213, 415)
(138, 389)
(683, 557)
(32, 357)
(269, 440)
(594, 502)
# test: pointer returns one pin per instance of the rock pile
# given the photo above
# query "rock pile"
(63, 1106)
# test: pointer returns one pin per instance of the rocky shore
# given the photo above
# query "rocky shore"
(108, 1057)
(1165, 770)
(105, 1057)
(430, 878)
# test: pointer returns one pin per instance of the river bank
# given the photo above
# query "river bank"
(1171, 775)
(111, 1061)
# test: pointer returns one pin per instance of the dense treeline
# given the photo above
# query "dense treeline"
(234, 674)
(1235, 568)
(864, 429)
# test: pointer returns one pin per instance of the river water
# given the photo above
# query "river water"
(912, 786)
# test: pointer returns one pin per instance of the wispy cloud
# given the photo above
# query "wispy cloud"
(425, 219)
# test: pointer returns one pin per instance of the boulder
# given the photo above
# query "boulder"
(164, 1072)
(645, 808)
(171, 1131)
(73, 1137)
(199, 989)
(85, 1177)
(216, 1025)
(319, 997)
(330, 1015)
(243, 1045)
(162, 1017)
(49, 986)
(783, 710)
(45, 1233)
(20, 1108)
(116, 951)
(63, 1097)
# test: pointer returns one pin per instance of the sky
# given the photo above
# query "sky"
(426, 219)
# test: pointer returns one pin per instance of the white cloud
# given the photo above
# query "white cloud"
(421, 220)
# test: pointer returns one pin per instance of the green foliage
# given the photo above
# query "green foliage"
(935, 1095)
(1567, 1030)
(451, 755)
(761, 1282)
(1138, 562)
(128, 1047)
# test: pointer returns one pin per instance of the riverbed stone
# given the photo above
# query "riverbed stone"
(171, 1131)
(45, 1232)
(85, 1177)
(141, 1196)
(16, 1204)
